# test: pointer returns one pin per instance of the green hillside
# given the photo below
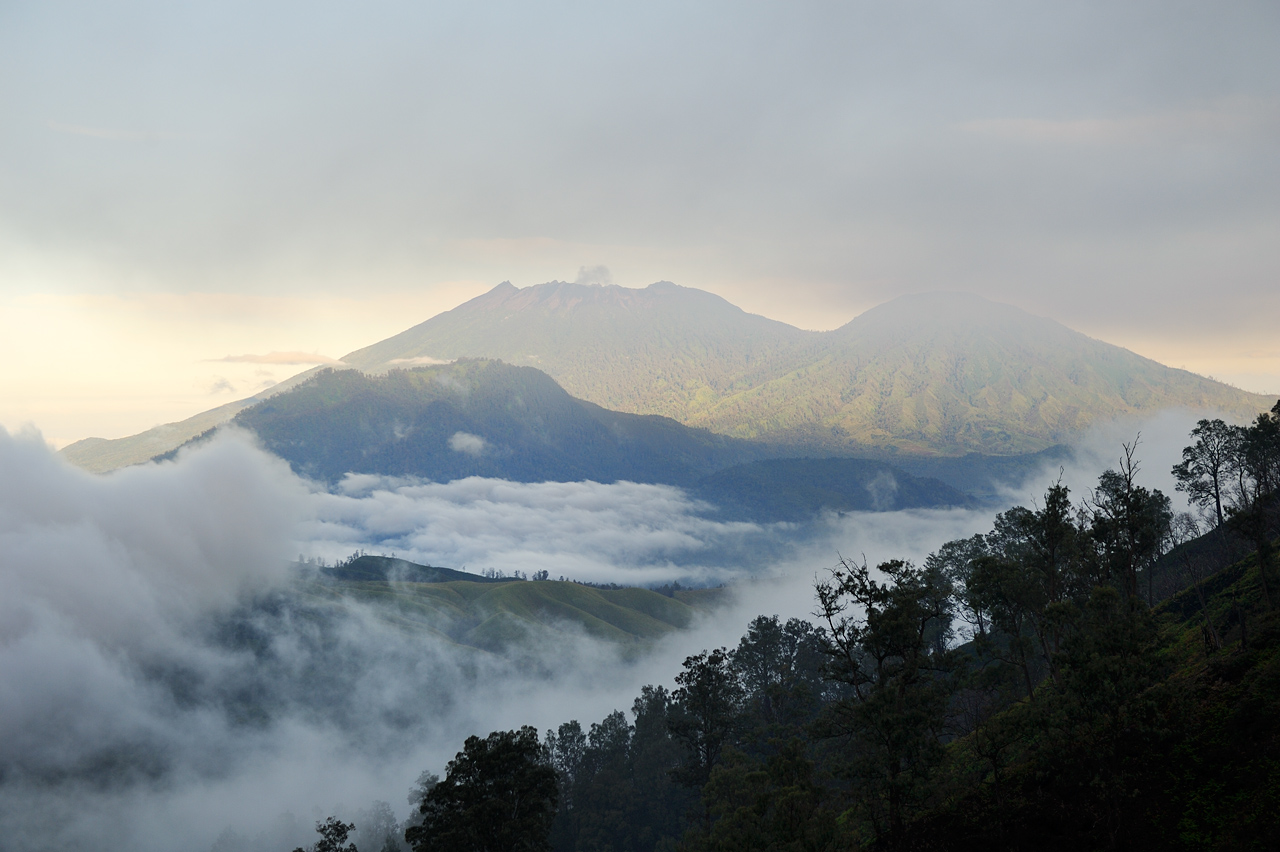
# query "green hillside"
(495, 614)
(1188, 759)
(520, 425)
(939, 373)
(952, 373)
(477, 418)
(666, 350)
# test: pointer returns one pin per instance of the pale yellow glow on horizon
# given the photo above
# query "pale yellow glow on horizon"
(1249, 363)
(115, 365)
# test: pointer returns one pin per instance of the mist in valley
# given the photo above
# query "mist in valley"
(167, 687)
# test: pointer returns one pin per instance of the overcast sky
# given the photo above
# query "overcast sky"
(183, 182)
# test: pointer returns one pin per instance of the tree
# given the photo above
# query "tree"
(773, 805)
(499, 794)
(1205, 471)
(1130, 524)
(781, 667)
(1030, 570)
(1258, 459)
(1186, 529)
(655, 755)
(379, 830)
(1004, 589)
(705, 711)
(955, 561)
(426, 781)
(882, 645)
(567, 750)
(333, 833)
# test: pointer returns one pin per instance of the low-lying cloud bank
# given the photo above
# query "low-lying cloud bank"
(160, 683)
(623, 532)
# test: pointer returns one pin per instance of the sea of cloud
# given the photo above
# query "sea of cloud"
(161, 689)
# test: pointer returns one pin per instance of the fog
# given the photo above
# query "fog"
(1110, 165)
(161, 686)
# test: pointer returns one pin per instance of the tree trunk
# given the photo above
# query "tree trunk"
(1264, 567)
(1204, 611)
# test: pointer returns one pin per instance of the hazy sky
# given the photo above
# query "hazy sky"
(184, 182)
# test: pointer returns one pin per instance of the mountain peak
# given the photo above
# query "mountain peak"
(934, 372)
(566, 297)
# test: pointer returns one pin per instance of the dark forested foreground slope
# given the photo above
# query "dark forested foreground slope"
(1016, 691)
(929, 373)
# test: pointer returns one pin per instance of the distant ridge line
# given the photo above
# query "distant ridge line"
(931, 373)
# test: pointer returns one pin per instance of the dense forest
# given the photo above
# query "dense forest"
(1096, 672)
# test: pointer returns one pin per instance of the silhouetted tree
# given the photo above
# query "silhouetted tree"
(705, 712)
(1184, 530)
(499, 794)
(768, 805)
(1038, 561)
(1258, 486)
(1130, 524)
(781, 666)
(955, 560)
(893, 722)
(1207, 466)
(333, 834)
(655, 754)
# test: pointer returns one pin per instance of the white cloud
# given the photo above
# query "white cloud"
(144, 619)
(465, 442)
(623, 532)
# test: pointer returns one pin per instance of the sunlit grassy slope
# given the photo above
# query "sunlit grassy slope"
(493, 614)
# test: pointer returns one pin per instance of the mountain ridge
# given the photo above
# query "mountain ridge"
(933, 374)
(927, 373)
(477, 418)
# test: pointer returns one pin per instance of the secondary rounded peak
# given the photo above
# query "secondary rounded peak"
(943, 308)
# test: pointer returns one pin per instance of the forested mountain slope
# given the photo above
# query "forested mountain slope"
(930, 373)
(487, 418)
(1016, 691)
(952, 372)
(99, 455)
(666, 349)
(477, 418)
